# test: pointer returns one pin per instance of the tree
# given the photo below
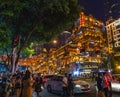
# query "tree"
(35, 21)
(27, 51)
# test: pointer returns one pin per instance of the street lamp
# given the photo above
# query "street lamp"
(118, 67)
(54, 41)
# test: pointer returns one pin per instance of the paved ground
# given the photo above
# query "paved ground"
(91, 94)
(44, 93)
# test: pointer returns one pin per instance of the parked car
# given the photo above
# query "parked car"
(116, 83)
(116, 86)
(55, 85)
(46, 78)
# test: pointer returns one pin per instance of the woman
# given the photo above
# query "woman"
(27, 85)
(105, 84)
(8, 88)
(38, 84)
(99, 85)
(70, 85)
(99, 82)
(18, 86)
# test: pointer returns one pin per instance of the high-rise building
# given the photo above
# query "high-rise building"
(113, 33)
(90, 33)
(112, 9)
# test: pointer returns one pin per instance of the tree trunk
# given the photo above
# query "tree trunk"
(16, 52)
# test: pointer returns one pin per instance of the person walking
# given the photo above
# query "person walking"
(27, 85)
(18, 86)
(8, 87)
(70, 85)
(105, 84)
(4, 83)
(109, 78)
(99, 81)
(38, 84)
(65, 85)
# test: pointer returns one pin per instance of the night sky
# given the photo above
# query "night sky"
(94, 7)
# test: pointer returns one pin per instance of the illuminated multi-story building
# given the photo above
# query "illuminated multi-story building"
(89, 34)
(89, 40)
(113, 33)
(84, 46)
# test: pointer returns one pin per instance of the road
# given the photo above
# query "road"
(44, 93)
(92, 93)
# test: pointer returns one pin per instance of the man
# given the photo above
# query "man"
(38, 83)
(99, 87)
(109, 78)
(105, 84)
(65, 85)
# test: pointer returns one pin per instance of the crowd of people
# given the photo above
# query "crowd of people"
(24, 84)
(20, 85)
(104, 84)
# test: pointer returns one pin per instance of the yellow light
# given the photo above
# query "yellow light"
(118, 67)
(54, 41)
